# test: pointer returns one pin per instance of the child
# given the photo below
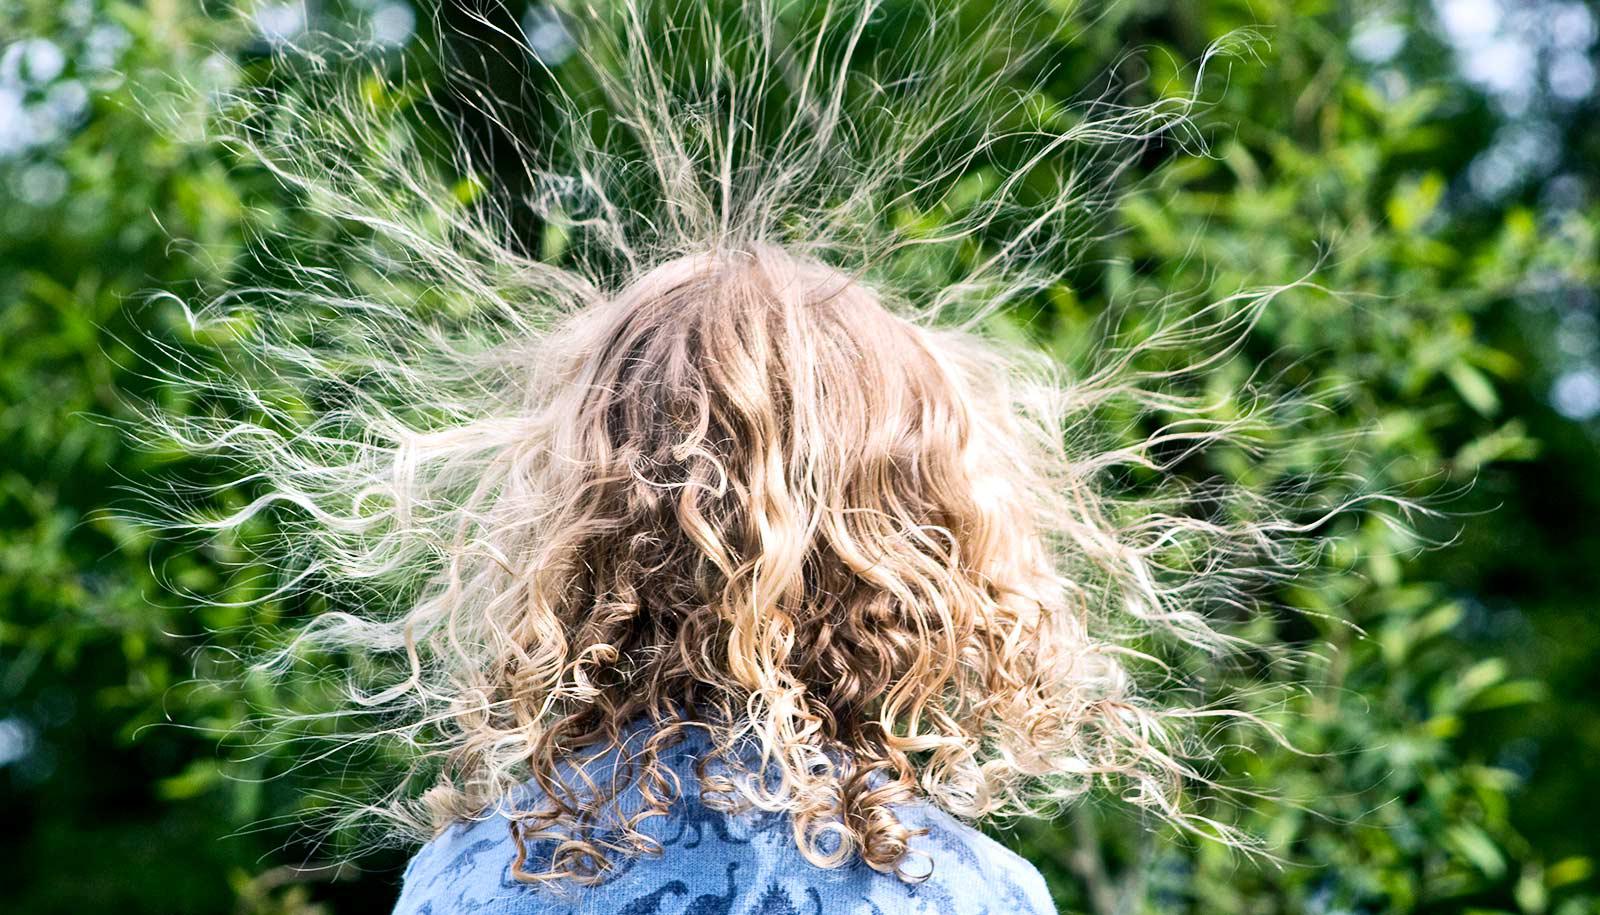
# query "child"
(783, 593)
(715, 560)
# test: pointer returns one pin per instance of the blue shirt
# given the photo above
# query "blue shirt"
(715, 863)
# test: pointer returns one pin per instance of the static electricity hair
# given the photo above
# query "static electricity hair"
(700, 414)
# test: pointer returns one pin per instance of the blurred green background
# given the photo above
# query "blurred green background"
(1441, 151)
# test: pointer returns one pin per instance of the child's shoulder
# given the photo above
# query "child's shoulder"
(964, 855)
(466, 864)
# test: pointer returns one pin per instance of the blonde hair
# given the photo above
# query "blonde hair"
(737, 455)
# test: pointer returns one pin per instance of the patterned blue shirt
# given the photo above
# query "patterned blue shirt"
(715, 863)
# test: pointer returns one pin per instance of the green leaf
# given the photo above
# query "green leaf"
(1474, 387)
(1505, 695)
(1473, 844)
(199, 777)
(1414, 201)
(1569, 870)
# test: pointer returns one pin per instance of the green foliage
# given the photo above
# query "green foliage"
(1426, 763)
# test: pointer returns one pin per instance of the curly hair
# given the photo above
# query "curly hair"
(758, 501)
(730, 459)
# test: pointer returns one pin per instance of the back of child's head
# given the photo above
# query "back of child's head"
(759, 504)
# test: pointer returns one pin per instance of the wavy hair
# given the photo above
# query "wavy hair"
(736, 449)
